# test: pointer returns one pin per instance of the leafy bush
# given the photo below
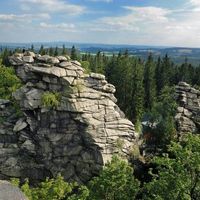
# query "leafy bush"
(50, 99)
(9, 82)
(115, 182)
(54, 189)
(178, 174)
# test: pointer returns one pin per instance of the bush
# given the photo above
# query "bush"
(115, 182)
(178, 173)
(9, 82)
(50, 99)
(54, 189)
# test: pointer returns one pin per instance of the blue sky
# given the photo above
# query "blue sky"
(141, 22)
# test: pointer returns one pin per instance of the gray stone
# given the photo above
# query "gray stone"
(20, 125)
(180, 109)
(65, 64)
(62, 58)
(97, 76)
(28, 59)
(16, 61)
(10, 192)
(56, 71)
(29, 53)
(53, 60)
(4, 102)
(76, 62)
(109, 88)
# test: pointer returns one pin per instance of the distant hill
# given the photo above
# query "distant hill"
(178, 54)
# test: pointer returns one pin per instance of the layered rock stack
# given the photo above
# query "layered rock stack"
(75, 137)
(188, 112)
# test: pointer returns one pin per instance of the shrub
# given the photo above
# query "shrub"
(9, 82)
(51, 99)
(178, 173)
(54, 189)
(115, 182)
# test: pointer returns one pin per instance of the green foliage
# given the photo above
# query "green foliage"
(4, 57)
(15, 182)
(9, 82)
(149, 83)
(42, 50)
(127, 75)
(115, 182)
(161, 119)
(51, 99)
(178, 174)
(54, 189)
(74, 55)
(120, 144)
(64, 50)
(86, 66)
(56, 51)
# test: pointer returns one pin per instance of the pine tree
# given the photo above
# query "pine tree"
(74, 55)
(56, 51)
(4, 56)
(32, 48)
(42, 50)
(64, 51)
(137, 93)
(149, 83)
(51, 52)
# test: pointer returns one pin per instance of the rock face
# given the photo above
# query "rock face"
(76, 137)
(10, 192)
(188, 112)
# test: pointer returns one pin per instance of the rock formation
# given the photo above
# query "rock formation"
(10, 192)
(188, 112)
(75, 137)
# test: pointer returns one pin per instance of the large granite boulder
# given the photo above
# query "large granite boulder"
(76, 137)
(188, 111)
(10, 192)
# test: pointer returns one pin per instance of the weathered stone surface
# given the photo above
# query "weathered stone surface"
(97, 76)
(62, 58)
(29, 53)
(10, 192)
(28, 59)
(20, 125)
(189, 111)
(75, 138)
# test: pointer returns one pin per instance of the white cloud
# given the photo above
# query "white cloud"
(137, 17)
(24, 17)
(53, 6)
(194, 2)
(149, 13)
(136, 25)
(60, 27)
(106, 1)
